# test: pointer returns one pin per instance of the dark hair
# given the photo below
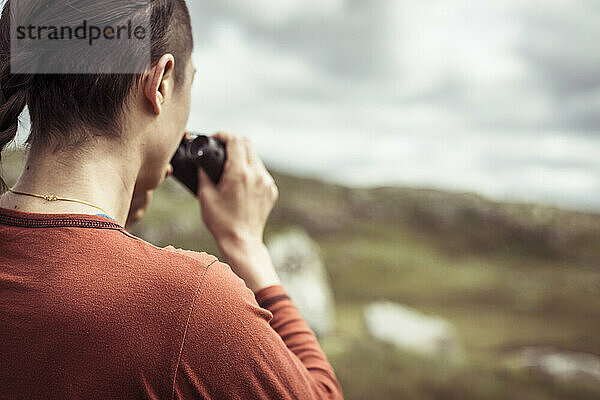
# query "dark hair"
(64, 108)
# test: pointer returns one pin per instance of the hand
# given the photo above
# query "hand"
(141, 201)
(139, 205)
(238, 208)
(236, 211)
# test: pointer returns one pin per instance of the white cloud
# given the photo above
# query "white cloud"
(452, 93)
(500, 97)
(276, 13)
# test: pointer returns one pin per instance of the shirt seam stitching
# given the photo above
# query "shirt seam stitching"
(197, 294)
(56, 223)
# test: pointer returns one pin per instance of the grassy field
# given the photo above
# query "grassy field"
(506, 276)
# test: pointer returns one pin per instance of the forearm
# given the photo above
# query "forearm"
(300, 340)
(251, 261)
(232, 351)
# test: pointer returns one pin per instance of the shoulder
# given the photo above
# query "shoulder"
(172, 272)
(149, 253)
(217, 290)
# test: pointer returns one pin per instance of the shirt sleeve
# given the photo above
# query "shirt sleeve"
(235, 349)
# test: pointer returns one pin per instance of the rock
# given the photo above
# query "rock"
(411, 330)
(298, 261)
(561, 365)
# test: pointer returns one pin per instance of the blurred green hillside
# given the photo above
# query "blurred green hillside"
(505, 275)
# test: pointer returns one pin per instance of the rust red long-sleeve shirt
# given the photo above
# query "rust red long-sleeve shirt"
(88, 311)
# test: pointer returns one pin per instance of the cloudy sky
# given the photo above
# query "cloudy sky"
(499, 97)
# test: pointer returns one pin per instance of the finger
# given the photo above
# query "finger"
(258, 165)
(149, 196)
(234, 143)
(169, 171)
(251, 155)
(269, 179)
(137, 200)
(223, 136)
(205, 184)
(274, 190)
(237, 159)
(142, 201)
(269, 183)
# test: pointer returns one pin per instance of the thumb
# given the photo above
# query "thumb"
(205, 184)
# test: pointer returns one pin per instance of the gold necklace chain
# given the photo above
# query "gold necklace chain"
(53, 197)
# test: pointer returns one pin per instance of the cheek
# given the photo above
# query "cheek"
(164, 146)
(186, 108)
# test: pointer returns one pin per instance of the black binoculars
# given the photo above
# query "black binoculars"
(199, 151)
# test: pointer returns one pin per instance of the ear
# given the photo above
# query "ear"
(159, 82)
